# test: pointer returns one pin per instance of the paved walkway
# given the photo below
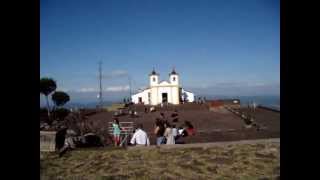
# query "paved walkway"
(206, 145)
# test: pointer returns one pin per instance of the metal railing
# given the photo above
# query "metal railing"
(127, 129)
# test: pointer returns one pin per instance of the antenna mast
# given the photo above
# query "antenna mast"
(100, 85)
(130, 87)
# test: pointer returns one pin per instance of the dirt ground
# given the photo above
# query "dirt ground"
(211, 126)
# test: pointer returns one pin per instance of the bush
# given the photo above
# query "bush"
(61, 113)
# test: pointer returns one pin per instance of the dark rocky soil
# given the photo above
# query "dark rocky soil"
(210, 126)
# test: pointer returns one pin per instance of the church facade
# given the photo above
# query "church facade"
(163, 92)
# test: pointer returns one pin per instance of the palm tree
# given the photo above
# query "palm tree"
(47, 86)
(60, 98)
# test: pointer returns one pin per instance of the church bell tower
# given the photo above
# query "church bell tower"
(154, 78)
(175, 89)
(174, 77)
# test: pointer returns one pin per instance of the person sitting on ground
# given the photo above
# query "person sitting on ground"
(181, 133)
(133, 113)
(152, 109)
(140, 137)
(116, 131)
(175, 113)
(175, 116)
(190, 129)
(73, 141)
(69, 142)
(168, 134)
(159, 131)
(174, 131)
(175, 120)
(162, 117)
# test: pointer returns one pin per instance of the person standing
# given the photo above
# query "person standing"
(254, 105)
(168, 133)
(116, 131)
(159, 131)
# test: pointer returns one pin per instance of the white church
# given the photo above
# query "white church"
(163, 92)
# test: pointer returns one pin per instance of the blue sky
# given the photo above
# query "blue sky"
(226, 47)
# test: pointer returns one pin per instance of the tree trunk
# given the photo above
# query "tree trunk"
(48, 107)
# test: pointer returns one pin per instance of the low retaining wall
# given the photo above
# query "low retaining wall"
(206, 145)
(47, 141)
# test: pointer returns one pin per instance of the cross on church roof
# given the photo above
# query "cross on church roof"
(173, 71)
(153, 72)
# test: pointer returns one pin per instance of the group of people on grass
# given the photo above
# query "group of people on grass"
(166, 132)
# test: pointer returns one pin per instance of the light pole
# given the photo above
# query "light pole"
(100, 85)
(130, 86)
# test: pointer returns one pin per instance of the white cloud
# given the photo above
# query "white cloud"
(106, 89)
(117, 88)
(86, 90)
(115, 74)
(63, 89)
(237, 88)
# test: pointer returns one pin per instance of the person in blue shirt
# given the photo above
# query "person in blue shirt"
(116, 131)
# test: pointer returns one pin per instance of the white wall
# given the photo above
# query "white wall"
(164, 90)
(190, 96)
(174, 82)
(153, 83)
(143, 95)
(156, 90)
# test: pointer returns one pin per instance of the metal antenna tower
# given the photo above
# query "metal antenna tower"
(100, 85)
(130, 86)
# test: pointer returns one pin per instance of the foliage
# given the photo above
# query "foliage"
(47, 86)
(60, 98)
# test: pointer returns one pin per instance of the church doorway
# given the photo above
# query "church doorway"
(140, 100)
(164, 97)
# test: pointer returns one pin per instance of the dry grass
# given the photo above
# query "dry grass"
(114, 107)
(241, 161)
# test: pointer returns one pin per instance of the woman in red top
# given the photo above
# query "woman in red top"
(190, 129)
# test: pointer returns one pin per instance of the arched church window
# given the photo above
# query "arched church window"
(174, 78)
(154, 79)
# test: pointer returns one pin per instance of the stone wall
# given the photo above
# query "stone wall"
(47, 141)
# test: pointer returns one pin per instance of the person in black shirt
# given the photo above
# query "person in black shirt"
(159, 131)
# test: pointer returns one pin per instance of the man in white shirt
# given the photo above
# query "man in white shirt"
(254, 106)
(140, 137)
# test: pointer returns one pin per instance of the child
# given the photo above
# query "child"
(116, 131)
